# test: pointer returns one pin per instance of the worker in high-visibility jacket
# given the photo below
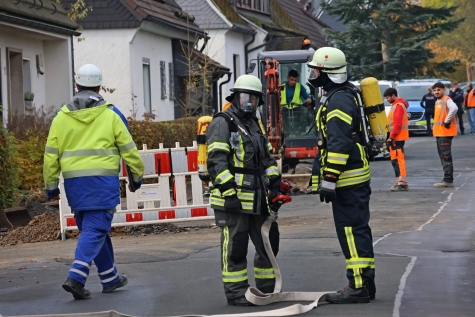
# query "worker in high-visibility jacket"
(444, 130)
(398, 124)
(469, 101)
(86, 141)
(292, 94)
(344, 172)
(242, 171)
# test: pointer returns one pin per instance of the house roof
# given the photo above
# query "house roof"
(206, 16)
(109, 14)
(332, 21)
(43, 14)
(278, 20)
(306, 22)
(230, 13)
(186, 54)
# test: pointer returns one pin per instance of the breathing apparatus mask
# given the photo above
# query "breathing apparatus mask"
(320, 78)
(247, 103)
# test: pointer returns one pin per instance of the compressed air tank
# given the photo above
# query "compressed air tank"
(374, 108)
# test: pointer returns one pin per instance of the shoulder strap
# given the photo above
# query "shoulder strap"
(230, 120)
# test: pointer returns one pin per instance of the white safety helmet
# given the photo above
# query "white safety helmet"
(89, 75)
(249, 84)
(332, 61)
(248, 93)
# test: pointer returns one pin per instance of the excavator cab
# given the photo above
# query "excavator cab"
(288, 119)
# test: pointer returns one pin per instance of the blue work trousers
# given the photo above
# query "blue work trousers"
(94, 244)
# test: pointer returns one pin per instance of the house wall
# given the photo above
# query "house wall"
(55, 87)
(259, 40)
(156, 48)
(109, 50)
(222, 47)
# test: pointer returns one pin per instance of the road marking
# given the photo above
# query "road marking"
(402, 286)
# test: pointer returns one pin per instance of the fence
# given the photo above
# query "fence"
(167, 200)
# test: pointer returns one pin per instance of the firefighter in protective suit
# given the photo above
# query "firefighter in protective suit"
(344, 173)
(244, 176)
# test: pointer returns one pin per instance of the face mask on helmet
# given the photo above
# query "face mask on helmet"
(317, 78)
(248, 103)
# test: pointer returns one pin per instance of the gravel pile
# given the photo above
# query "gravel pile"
(46, 227)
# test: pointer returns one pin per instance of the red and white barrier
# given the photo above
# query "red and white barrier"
(163, 201)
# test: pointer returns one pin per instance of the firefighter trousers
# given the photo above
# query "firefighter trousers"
(398, 161)
(444, 147)
(237, 228)
(94, 244)
(351, 215)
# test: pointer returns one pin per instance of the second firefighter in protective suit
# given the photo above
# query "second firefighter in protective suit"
(242, 171)
(343, 172)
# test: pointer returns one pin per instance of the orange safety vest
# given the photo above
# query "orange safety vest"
(403, 135)
(439, 118)
(471, 99)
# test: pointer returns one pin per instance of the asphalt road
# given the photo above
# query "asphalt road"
(424, 243)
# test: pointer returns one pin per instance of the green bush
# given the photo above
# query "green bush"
(166, 132)
(8, 169)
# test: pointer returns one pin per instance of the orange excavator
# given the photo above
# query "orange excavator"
(287, 125)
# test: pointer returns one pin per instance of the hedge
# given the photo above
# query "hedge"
(8, 169)
(30, 142)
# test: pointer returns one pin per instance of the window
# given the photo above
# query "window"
(257, 5)
(147, 96)
(236, 66)
(26, 76)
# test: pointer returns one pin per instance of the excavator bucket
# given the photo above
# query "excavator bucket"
(14, 217)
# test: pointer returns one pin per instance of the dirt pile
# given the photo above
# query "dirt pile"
(46, 227)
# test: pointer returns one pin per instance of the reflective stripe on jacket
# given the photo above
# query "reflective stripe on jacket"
(404, 132)
(440, 115)
(342, 156)
(295, 99)
(249, 150)
(86, 145)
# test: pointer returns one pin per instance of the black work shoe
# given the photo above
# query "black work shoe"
(76, 288)
(242, 301)
(349, 295)
(121, 283)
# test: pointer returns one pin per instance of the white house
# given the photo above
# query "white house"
(35, 56)
(137, 44)
(239, 30)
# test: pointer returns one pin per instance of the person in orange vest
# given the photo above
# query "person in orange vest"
(470, 107)
(398, 134)
(444, 130)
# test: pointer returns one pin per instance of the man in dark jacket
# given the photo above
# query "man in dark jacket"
(242, 169)
(457, 96)
(344, 172)
(428, 103)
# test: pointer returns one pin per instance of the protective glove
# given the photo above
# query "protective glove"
(51, 194)
(328, 187)
(273, 216)
(447, 125)
(274, 187)
(135, 187)
(389, 142)
(232, 204)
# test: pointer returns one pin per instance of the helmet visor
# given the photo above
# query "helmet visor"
(314, 73)
(249, 102)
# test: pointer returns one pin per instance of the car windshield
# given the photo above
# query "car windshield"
(383, 89)
(298, 117)
(412, 93)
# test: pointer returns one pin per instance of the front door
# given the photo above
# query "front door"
(16, 101)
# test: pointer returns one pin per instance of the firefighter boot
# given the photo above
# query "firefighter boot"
(349, 295)
(242, 301)
(76, 288)
(121, 283)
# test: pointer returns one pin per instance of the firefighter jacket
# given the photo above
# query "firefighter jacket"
(86, 141)
(398, 121)
(239, 152)
(340, 128)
